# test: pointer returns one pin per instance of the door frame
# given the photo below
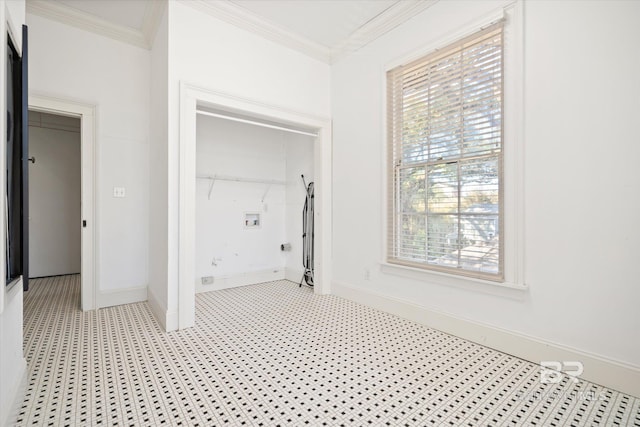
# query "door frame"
(88, 151)
(191, 97)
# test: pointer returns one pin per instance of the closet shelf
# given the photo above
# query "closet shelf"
(214, 178)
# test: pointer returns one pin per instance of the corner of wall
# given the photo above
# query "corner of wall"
(121, 296)
(597, 369)
(293, 274)
(168, 320)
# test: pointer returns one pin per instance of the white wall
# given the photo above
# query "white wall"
(225, 249)
(54, 195)
(12, 362)
(220, 57)
(582, 204)
(299, 159)
(74, 64)
(158, 174)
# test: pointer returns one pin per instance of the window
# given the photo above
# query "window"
(445, 131)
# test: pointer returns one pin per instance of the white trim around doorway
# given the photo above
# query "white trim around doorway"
(88, 148)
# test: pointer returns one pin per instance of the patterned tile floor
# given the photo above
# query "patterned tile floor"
(276, 354)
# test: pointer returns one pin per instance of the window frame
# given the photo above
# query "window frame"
(397, 87)
(512, 170)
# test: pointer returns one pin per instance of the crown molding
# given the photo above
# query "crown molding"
(240, 17)
(151, 21)
(249, 21)
(85, 21)
(394, 16)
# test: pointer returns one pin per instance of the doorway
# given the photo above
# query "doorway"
(54, 195)
(72, 116)
(193, 98)
(251, 188)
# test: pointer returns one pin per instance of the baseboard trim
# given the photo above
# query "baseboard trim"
(168, 320)
(10, 412)
(171, 322)
(121, 296)
(597, 369)
(242, 279)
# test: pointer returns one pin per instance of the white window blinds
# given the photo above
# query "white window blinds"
(444, 118)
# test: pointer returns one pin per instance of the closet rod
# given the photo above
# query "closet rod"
(252, 122)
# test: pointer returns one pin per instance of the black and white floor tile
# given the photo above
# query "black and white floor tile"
(275, 354)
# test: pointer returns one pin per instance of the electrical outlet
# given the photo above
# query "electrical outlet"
(207, 280)
(367, 274)
(119, 192)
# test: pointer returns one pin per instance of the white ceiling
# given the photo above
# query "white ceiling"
(326, 22)
(128, 13)
(324, 29)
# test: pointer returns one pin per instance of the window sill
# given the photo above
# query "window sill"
(445, 279)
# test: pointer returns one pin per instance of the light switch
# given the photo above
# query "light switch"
(119, 192)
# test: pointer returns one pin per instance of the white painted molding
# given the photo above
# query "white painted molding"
(168, 320)
(10, 412)
(89, 143)
(171, 321)
(448, 279)
(249, 21)
(158, 311)
(394, 16)
(85, 21)
(240, 104)
(187, 208)
(236, 15)
(597, 369)
(151, 21)
(242, 279)
(121, 296)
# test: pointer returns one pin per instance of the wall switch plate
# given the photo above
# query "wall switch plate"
(119, 192)
(207, 280)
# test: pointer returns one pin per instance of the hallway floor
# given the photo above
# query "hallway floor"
(276, 354)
